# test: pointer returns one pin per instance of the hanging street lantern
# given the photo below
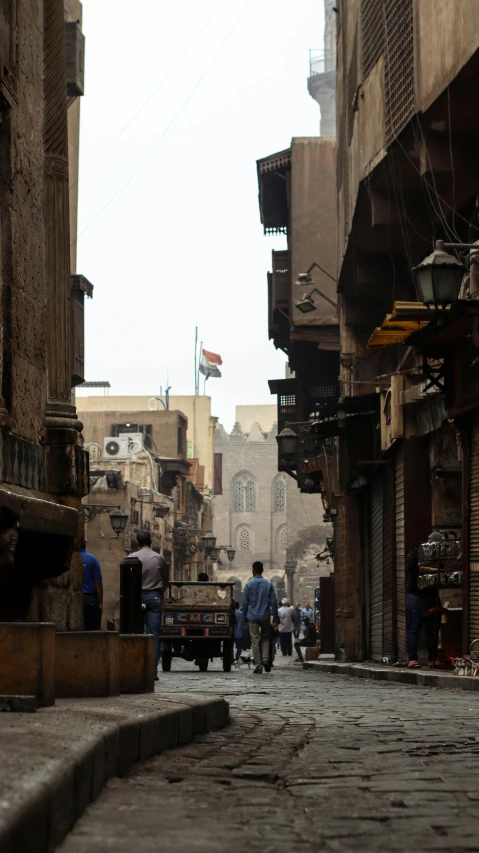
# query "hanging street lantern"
(439, 278)
(118, 520)
(209, 541)
(231, 553)
(287, 441)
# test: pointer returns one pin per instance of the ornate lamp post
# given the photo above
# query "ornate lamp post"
(118, 518)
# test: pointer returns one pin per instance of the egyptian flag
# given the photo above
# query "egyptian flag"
(209, 364)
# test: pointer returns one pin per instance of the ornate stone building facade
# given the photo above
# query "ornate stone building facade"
(261, 513)
(43, 467)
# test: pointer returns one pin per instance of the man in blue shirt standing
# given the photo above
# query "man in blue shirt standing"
(92, 590)
(259, 605)
(307, 613)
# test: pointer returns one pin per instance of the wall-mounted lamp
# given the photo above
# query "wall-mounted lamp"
(118, 520)
(439, 276)
(287, 441)
(307, 303)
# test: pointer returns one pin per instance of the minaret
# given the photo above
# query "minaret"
(322, 73)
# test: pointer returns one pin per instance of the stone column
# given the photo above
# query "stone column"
(60, 413)
(289, 569)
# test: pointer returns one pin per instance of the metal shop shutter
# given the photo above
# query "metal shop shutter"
(376, 583)
(474, 533)
(389, 593)
(400, 556)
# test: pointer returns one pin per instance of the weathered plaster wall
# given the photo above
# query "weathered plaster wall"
(97, 426)
(313, 219)
(201, 424)
(448, 35)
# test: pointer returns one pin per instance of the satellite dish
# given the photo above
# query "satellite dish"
(94, 450)
(153, 404)
(134, 447)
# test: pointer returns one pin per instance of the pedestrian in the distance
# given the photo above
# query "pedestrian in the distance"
(92, 590)
(259, 604)
(153, 565)
(307, 613)
(286, 617)
(423, 607)
(297, 620)
(309, 639)
(239, 629)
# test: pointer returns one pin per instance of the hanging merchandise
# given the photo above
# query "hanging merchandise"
(467, 665)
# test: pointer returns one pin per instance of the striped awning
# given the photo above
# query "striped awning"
(396, 328)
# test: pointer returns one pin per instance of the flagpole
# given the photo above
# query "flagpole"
(196, 369)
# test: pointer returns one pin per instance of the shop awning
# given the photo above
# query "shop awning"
(405, 319)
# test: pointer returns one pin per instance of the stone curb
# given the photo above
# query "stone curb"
(404, 676)
(43, 807)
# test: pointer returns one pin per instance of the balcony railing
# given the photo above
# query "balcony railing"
(321, 61)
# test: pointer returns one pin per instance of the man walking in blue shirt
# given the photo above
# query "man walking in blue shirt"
(92, 590)
(259, 605)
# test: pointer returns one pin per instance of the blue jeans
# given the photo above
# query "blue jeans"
(414, 620)
(152, 600)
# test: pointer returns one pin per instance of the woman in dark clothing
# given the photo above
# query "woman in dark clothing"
(422, 608)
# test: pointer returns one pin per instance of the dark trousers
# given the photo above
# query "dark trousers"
(286, 643)
(238, 646)
(298, 645)
(91, 612)
(414, 620)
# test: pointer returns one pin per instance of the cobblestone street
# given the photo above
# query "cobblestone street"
(309, 762)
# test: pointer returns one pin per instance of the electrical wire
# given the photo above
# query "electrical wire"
(430, 186)
(169, 125)
(439, 198)
(450, 152)
(152, 95)
(450, 229)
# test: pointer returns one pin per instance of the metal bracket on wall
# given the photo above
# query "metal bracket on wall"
(90, 512)
(434, 374)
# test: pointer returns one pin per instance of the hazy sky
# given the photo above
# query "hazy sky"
(175, 241)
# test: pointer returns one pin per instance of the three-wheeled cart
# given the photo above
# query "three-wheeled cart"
(197, 623)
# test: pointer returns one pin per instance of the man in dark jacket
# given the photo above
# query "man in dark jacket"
(297, 620)
(423, 607)
(309, 639)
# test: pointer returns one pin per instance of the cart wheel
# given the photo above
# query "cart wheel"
(166, 661)
(203, 664)
(227, 650)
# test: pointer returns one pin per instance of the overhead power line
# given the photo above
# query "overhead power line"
(170, 124)
(152, 95)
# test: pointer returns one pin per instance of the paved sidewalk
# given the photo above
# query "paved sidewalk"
(379, 672)
(310, 762)
(56, 761)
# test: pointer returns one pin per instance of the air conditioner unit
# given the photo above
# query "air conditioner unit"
(115, 447)
(137, 437)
